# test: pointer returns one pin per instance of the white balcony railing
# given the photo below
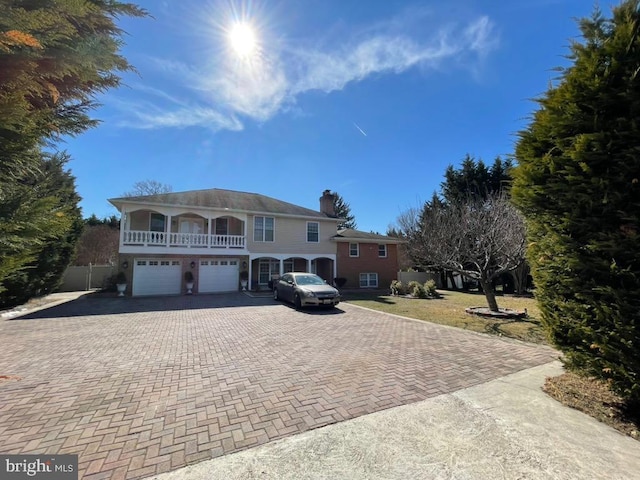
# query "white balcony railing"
(188, 240)
(197, 240)
(139, 237)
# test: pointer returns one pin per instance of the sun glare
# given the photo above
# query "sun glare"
(243, 39)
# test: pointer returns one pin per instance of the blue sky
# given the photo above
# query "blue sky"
(372, 99)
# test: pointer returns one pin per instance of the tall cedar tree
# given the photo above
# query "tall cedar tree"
(343, 210)
(578, 185)
(55, 56)
(44, 273)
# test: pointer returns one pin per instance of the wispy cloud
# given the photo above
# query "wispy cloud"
(224, 92)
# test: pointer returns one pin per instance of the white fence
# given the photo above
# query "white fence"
(86, 277)
(406, 277)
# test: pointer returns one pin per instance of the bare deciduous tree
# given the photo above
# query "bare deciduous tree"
(98, 245)
(480, 239)
(148, 187)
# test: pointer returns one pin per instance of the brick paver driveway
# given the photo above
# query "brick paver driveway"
(136, 387)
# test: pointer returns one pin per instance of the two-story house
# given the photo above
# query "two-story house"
(366, 260)
(218, 235)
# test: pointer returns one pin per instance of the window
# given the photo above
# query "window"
(313, 232)
(354, 251)
(221, 226)
(368, 280)
(287, 265)
(156, 222)
(263, 229)
(382, 251)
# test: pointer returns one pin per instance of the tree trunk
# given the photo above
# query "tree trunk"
(489, 294)
(520, 274)
(451, 279)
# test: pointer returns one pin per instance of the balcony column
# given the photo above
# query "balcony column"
(309, 265)
(209, 222)
(124, 225)
(168, 230)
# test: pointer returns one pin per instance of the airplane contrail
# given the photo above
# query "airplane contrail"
(361, 131)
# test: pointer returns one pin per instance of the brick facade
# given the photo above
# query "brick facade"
(367, 261)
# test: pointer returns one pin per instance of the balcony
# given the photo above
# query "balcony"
(143, 238)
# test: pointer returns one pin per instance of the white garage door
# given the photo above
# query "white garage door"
(153, 276)
(220, 275)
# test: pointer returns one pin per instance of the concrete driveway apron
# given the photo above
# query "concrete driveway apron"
(138, 387)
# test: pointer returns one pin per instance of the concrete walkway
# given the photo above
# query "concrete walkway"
(503, 429)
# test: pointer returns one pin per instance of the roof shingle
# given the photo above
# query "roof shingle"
(223, 199)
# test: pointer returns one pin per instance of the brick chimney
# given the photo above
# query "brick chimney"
(326, 203)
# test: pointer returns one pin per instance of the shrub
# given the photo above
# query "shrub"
(430, 289)
(121, 278)
(397, 288)
(416, 289)
(188, 276)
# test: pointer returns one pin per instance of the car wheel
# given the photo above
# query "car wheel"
(275, 294)
(297, 302)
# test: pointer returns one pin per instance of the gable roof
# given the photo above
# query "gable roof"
(351, 235)
(217, 198)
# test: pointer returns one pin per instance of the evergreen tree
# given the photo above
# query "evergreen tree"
(55, 56)
(343, 210)
(52, 254)
(577, 182)
(474, 180)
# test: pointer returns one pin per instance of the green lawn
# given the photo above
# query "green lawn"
(449, 310)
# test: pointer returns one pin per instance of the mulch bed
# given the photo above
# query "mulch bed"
(594, 398)
(501, 313)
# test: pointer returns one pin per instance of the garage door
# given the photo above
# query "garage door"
(220, 275)
(156, 277)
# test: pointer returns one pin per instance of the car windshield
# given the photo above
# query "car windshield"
(309, 280)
